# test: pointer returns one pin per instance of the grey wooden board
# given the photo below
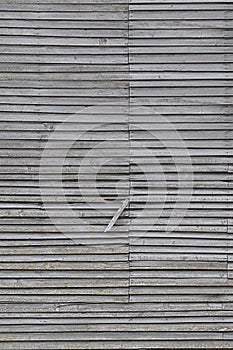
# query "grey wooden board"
(171, 63)
(136, 286)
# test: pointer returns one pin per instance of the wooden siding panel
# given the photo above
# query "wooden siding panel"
(180, 70)
(142, 285)
(59, 58)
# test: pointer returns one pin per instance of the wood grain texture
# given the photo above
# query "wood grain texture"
(148, 283)
(176, 53)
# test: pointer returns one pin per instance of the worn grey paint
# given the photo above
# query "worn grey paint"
(162, 291)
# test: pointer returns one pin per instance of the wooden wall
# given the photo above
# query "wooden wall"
(137, 286)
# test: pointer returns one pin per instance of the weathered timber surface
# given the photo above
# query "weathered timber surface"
(162, 277)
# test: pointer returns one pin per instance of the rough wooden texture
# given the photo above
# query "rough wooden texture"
(141, 285)
(179, 54)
